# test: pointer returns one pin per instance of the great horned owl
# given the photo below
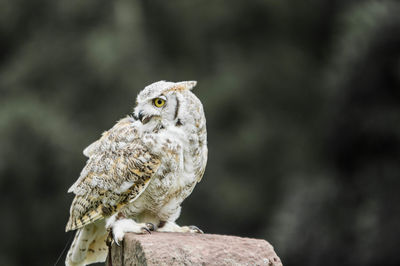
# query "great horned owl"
(139, 172)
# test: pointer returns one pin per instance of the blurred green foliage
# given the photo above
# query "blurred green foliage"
(302, 102)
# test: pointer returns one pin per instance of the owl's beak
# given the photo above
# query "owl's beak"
(141, 116)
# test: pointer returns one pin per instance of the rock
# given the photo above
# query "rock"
(191, 249)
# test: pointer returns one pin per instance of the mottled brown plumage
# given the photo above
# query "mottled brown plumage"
(113, 156)
(140, 171)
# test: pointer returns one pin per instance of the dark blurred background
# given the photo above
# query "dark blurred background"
(302, 100)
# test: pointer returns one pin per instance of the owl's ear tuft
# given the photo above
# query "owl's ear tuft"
(189, 85)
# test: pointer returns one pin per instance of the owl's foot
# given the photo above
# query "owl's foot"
(120, 227)
(173, 227)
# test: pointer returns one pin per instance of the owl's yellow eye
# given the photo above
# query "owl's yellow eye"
(158, 102)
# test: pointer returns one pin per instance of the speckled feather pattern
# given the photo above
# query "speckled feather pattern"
(116, 172)
(140, 170)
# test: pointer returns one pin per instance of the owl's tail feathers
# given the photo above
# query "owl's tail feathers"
(76, 222)
(88, 246)
(77, 252)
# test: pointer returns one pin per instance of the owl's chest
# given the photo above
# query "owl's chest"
(172, 183)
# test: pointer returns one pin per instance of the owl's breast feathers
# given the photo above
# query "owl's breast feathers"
(118, 170)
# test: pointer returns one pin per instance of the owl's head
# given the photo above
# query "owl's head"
(169, 103)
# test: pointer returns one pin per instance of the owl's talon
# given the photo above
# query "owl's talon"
(118, 238)
(151, 226)
(145, 229)
(195, 229)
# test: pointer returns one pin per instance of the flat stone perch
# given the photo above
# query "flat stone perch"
(191, 249)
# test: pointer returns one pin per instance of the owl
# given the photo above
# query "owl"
(139, 172)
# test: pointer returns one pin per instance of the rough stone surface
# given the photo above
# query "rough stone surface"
(192, 249)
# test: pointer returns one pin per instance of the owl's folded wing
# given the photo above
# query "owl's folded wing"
(116, 173)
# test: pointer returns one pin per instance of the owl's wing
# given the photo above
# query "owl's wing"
(116, 173)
